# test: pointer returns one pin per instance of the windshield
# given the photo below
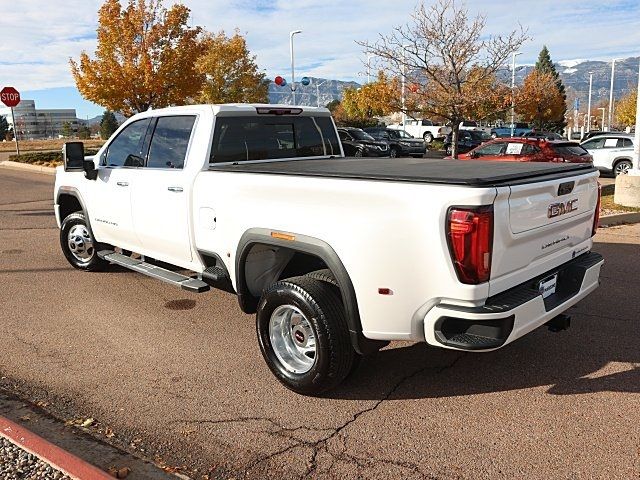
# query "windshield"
(402, 134)
(360, 135)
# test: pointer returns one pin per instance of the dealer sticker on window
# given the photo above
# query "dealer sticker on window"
(547, 286)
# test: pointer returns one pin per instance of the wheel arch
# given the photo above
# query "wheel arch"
(314, 247)
(69, 200)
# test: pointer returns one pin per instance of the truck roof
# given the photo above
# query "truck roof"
(417, 170)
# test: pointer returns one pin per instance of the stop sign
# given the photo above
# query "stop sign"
(10, 96)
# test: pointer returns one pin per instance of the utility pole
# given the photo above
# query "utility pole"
(404, 81)
(613, 70)
(293, 75)
(602, 126)
(513, 95)
(318, 91)
(589, 104)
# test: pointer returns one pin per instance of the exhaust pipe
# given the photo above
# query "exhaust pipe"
(559, 323)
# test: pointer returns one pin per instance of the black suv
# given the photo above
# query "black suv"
(357, 143)
(400, 142)
(467, 140)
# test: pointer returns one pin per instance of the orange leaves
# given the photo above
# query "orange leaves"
(145, 57)
(539, 100)
(626, 109)
(378, 98)
(230, 71)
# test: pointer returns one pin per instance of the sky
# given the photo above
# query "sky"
(39, 36)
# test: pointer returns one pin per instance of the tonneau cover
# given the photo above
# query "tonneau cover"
(477, 173)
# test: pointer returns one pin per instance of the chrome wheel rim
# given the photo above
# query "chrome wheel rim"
(622, 168)
(292, 339)
(80, 243)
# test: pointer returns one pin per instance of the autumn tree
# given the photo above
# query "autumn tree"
(378, 98)
(108, 124)
(545, 65)
(146, 57)
(230, 71)
(538, 101)
(626, 109)
(449, 59)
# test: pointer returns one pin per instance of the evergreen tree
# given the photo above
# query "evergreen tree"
(545, 65)
(66, 130)
(108, 124)
(4, 127)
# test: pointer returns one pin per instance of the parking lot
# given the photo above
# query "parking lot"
(179, 378)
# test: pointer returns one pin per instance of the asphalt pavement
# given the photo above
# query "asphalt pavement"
(178, 377)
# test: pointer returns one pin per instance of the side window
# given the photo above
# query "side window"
(343, 135)
(126, 150)
(491, 149)
(611, 142)
(594, 144)
(528, 149)
(170, 141)
(627, 142)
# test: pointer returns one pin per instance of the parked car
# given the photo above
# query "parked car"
(400, 142)
(335, 256)
(467, 140)
(529, 150)
(425, 129)
(358, 143)
(611, 152)
(542, 134)
(591, 134)
(519, 129)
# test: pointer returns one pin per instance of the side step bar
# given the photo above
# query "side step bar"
(159, 273)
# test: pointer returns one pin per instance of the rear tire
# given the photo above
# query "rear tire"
(428, 137)
(393, 152)
(359, 153)
(303, 335)
(78, 245)
(622, 167)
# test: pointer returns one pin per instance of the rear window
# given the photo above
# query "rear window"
(569, 149)
(240, 139)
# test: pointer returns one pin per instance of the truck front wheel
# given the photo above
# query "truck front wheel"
(303, 335)
(78, 246)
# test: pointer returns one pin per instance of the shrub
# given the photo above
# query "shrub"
(44, 158)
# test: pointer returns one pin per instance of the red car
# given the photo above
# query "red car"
(529, 150)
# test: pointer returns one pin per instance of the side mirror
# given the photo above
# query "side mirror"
(73, 156)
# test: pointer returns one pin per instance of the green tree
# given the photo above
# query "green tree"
(66, 129)
(626, 109)
(4, 127)
(108, 124)
(332, 105)
(84, 132)
(545, 65)
(230, 71)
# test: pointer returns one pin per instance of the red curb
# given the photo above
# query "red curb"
(49, 453)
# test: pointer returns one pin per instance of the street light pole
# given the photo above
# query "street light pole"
(602, 126)
(613, 71)
(635, 169)
(589, 104)
(293, 76)
(513, 86)
(404, 81)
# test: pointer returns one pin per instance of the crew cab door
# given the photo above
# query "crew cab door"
(110, 204)
(160, 197)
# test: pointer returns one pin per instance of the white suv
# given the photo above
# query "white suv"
(611, 152)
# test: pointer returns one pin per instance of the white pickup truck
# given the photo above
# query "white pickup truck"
(336, 256)
(425, 129)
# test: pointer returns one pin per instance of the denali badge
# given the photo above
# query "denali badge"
(557, 209)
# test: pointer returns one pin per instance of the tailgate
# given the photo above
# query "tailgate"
(539, 226)
(537, 205)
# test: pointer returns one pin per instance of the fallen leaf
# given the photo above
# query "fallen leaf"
(109, 433)
(87, 423)
(25, 418)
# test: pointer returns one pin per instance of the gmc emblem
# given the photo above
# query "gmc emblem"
(557, 209)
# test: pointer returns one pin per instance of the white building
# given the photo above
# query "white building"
(33, 123)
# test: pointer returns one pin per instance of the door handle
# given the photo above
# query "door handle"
(174, 189)
(123, 184)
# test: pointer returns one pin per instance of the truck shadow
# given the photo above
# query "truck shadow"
(599, 353)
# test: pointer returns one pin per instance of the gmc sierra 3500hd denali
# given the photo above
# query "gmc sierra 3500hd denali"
(336, 256)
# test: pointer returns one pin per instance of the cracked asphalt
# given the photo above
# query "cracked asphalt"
(178, 377)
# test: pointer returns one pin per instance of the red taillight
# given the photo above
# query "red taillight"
(470, 236)
(596, 217)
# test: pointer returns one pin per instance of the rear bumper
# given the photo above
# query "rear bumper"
(514, 313)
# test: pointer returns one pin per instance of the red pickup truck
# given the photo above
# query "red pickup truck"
(529, 150)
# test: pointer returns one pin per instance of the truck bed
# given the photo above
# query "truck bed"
(418, 170)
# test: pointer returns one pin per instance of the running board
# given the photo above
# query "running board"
(159, 273)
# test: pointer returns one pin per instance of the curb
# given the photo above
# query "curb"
(619, 219)
(49, 453)
(25, 166)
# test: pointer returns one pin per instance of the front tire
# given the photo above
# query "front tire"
(393, 152)
(303, 335)
(78, 246)
(428, 137)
